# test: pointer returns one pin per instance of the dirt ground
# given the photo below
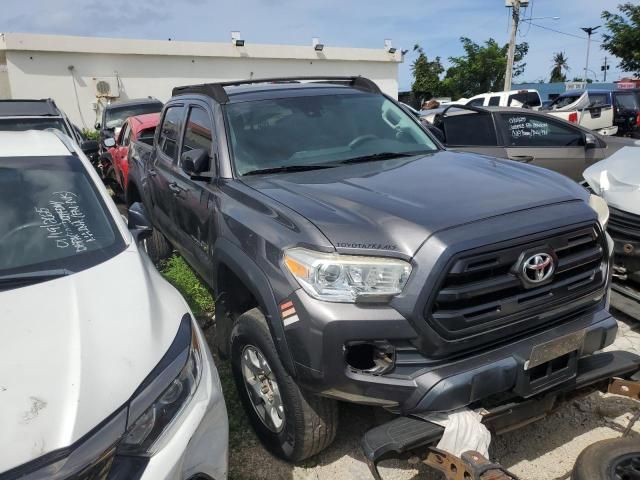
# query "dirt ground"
(545, 450)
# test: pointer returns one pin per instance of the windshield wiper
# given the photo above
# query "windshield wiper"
(29, 278)
(288, 168)
(381, 156)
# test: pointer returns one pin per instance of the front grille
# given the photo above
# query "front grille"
(623, 224)
(482, 291)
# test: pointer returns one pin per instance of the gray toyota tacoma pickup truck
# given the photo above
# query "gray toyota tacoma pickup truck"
(353, 258)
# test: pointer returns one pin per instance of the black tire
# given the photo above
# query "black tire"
(157, 246)
(310, 421)
(600, 460)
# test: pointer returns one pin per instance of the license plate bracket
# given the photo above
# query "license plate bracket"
(555, 348)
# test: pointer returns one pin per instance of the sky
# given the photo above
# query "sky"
(436, 25)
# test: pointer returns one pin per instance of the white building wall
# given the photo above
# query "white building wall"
(38, 68)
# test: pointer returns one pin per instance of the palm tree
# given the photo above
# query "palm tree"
(560, 66)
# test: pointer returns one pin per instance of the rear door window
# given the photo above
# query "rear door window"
(170, 131)
(626, 101)
(526, 130)
(528, 99)
(470, 129)
(476, 102)
(494, 101)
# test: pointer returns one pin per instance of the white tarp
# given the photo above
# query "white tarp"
(617, 179)
(463, 431)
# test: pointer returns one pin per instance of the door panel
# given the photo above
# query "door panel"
(161, 174)
(545, 142)
(195, 198)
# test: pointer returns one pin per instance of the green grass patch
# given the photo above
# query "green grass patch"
(180, 275)
(198, 296)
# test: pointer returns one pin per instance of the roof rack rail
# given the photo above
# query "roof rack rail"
(218, 93)
(473, 108)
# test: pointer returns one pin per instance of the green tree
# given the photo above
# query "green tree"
(481, 68)
(623, 36)
(426, 75)
(560, 66)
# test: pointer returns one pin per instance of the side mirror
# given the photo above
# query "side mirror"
(89, 147)
(97, 126)
(196, 162)
(109, 142)
(139, 224)
(590, 141)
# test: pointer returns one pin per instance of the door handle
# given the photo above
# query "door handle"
(522, 158)
(175, 188)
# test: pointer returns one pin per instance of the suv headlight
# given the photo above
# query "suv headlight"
(169, 387)
(601, 208)
(347, 278)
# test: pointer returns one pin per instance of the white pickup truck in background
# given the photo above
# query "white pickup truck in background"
(582, 112)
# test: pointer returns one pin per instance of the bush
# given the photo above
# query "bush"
(90, 134)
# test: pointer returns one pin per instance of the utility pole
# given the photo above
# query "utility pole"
(515, 19)
(588, 31)
(604, 68)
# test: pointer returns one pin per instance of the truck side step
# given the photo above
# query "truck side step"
(397, 436)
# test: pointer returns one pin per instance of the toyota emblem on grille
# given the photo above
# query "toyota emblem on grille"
(538, 267)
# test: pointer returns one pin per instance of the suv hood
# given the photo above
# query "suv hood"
(74, 349)
(395, 205)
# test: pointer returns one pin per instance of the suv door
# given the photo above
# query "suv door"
(544, 141)
(195, 196)
(471, 132)
(161, 172)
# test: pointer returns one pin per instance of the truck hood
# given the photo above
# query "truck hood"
(617, 179)
(73, 351)
(395, 205)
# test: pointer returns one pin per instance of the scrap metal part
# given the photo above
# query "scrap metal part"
(471, 466)
(630, 389)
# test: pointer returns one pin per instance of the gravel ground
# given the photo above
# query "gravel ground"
(545, 450)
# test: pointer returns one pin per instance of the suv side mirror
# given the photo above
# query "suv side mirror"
(89, 147)
(97, 126)
(590, 141)
(109, 142)
(139, 224)
(196, 162)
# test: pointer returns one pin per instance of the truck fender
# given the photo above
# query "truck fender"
(234, 258)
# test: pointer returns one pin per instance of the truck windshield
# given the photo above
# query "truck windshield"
(116, 116)
(17, 124)
(319, 130)
(52, 218)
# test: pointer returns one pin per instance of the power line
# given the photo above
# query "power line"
(562, 33)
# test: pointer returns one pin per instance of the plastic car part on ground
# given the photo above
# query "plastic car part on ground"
(463, 431)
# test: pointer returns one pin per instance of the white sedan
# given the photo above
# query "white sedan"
(103, 370)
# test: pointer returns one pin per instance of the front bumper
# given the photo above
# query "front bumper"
(418, 384)
(197, 444)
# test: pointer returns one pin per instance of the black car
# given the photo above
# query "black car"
(114, 115)
(27, 114)
(354, 259)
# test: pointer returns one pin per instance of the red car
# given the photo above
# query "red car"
(115, 162)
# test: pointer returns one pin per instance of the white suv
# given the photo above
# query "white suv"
(104, 372)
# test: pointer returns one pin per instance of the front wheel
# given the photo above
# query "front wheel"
(292, 424)
(157, 246)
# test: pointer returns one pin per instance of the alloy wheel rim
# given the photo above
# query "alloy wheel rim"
(262, 388)
(627, 467)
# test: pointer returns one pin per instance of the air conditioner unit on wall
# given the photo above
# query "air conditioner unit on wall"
(107, 87)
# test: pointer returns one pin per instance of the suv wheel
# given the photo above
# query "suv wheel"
(292, 424)
(157, 246)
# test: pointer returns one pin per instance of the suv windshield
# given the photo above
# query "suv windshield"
(51, 217)
(114, 117)
(17, 124)
(320, 130)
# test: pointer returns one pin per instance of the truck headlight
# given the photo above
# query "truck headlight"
(601, 208)
(347, 278)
